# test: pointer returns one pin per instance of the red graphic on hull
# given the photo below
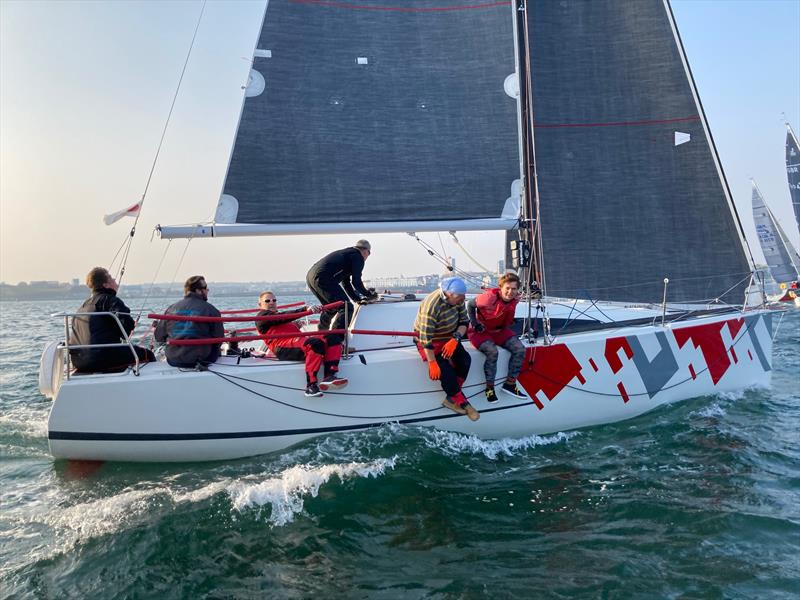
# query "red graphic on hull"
(708, 338)
(612, 352)
(547, 371)
(623, 392)
(613, 346)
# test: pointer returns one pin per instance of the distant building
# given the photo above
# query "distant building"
(501, 266)
(76, 281)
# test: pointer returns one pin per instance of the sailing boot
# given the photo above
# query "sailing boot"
(491, 397)
(312, 390)
(458, 404)
(510, 387)
(333, 353)
(312, 387)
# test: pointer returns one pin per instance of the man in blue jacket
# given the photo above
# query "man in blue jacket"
(194, 304)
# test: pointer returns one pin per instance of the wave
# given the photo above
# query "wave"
(457, 443)
(286, 493)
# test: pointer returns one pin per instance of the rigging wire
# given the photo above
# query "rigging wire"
(464, 250)
(132, 232)
(153, 282)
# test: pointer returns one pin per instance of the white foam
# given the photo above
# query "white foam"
(286, 492)
(458, 443)
(711, 411)
(100, 517)
(26, 421)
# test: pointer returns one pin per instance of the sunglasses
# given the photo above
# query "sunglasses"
(268, 300)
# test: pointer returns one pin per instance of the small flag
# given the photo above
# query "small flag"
(131, 211)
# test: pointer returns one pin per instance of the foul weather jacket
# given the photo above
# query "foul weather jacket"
(101, 330)
(187, 357)
(342, 267)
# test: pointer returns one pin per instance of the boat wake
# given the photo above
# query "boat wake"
(457, 443)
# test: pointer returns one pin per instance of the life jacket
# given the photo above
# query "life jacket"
(494, 313)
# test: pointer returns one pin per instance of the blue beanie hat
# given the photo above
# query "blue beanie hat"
(455, 285)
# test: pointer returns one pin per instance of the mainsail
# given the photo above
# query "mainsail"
(778, 252)
(378, 113)
(793, 170)
(630, 188)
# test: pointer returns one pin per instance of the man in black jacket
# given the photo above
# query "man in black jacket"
(104, 329)
(194, 304)
(337, 277)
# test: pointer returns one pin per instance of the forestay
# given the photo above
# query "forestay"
(630, 188)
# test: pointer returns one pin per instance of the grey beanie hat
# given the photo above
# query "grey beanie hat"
(363, 245)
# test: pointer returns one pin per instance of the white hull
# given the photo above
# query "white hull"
(258, 406)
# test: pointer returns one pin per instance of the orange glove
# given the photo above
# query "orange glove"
(434, 372)
(450, 347)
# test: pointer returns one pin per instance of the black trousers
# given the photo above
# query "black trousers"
(454, 370)
(109, 360)
(327, 292)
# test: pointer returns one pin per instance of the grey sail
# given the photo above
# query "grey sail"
(630, 190)
(777, 253)
(793, 171)
(378, 112)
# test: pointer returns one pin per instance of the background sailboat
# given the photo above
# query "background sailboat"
(781, 257)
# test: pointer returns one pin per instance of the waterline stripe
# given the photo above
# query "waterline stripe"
(169, 437)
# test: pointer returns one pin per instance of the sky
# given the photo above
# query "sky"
(85, 89)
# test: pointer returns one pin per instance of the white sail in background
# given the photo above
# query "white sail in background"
(781, 257)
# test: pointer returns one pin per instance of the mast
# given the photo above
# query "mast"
(528, 243)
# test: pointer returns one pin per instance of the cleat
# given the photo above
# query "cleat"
(491, 397)
(312, 391)
(332, 381)
(512, 389)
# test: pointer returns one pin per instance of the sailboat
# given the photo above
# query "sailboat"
(782, 259)
(575, 127)
(793, 170)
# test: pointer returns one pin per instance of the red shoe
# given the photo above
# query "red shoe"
(332, 381)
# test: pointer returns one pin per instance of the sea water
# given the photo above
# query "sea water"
(698, 499)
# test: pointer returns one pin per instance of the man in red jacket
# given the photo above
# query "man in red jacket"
(311, 350)
(491, 315)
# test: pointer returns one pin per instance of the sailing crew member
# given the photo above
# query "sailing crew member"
(337, 277)
(308, 349)
(491, 315)
(194, 304)
(104, 329)
(440, 326)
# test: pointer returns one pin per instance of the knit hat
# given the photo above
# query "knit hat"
(455, 285)
(363, 245)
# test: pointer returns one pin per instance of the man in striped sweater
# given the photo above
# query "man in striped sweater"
(440, 326)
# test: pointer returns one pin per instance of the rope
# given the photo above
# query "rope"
(463, 274)
(129, 240)
(229, 378)
(464, 250)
